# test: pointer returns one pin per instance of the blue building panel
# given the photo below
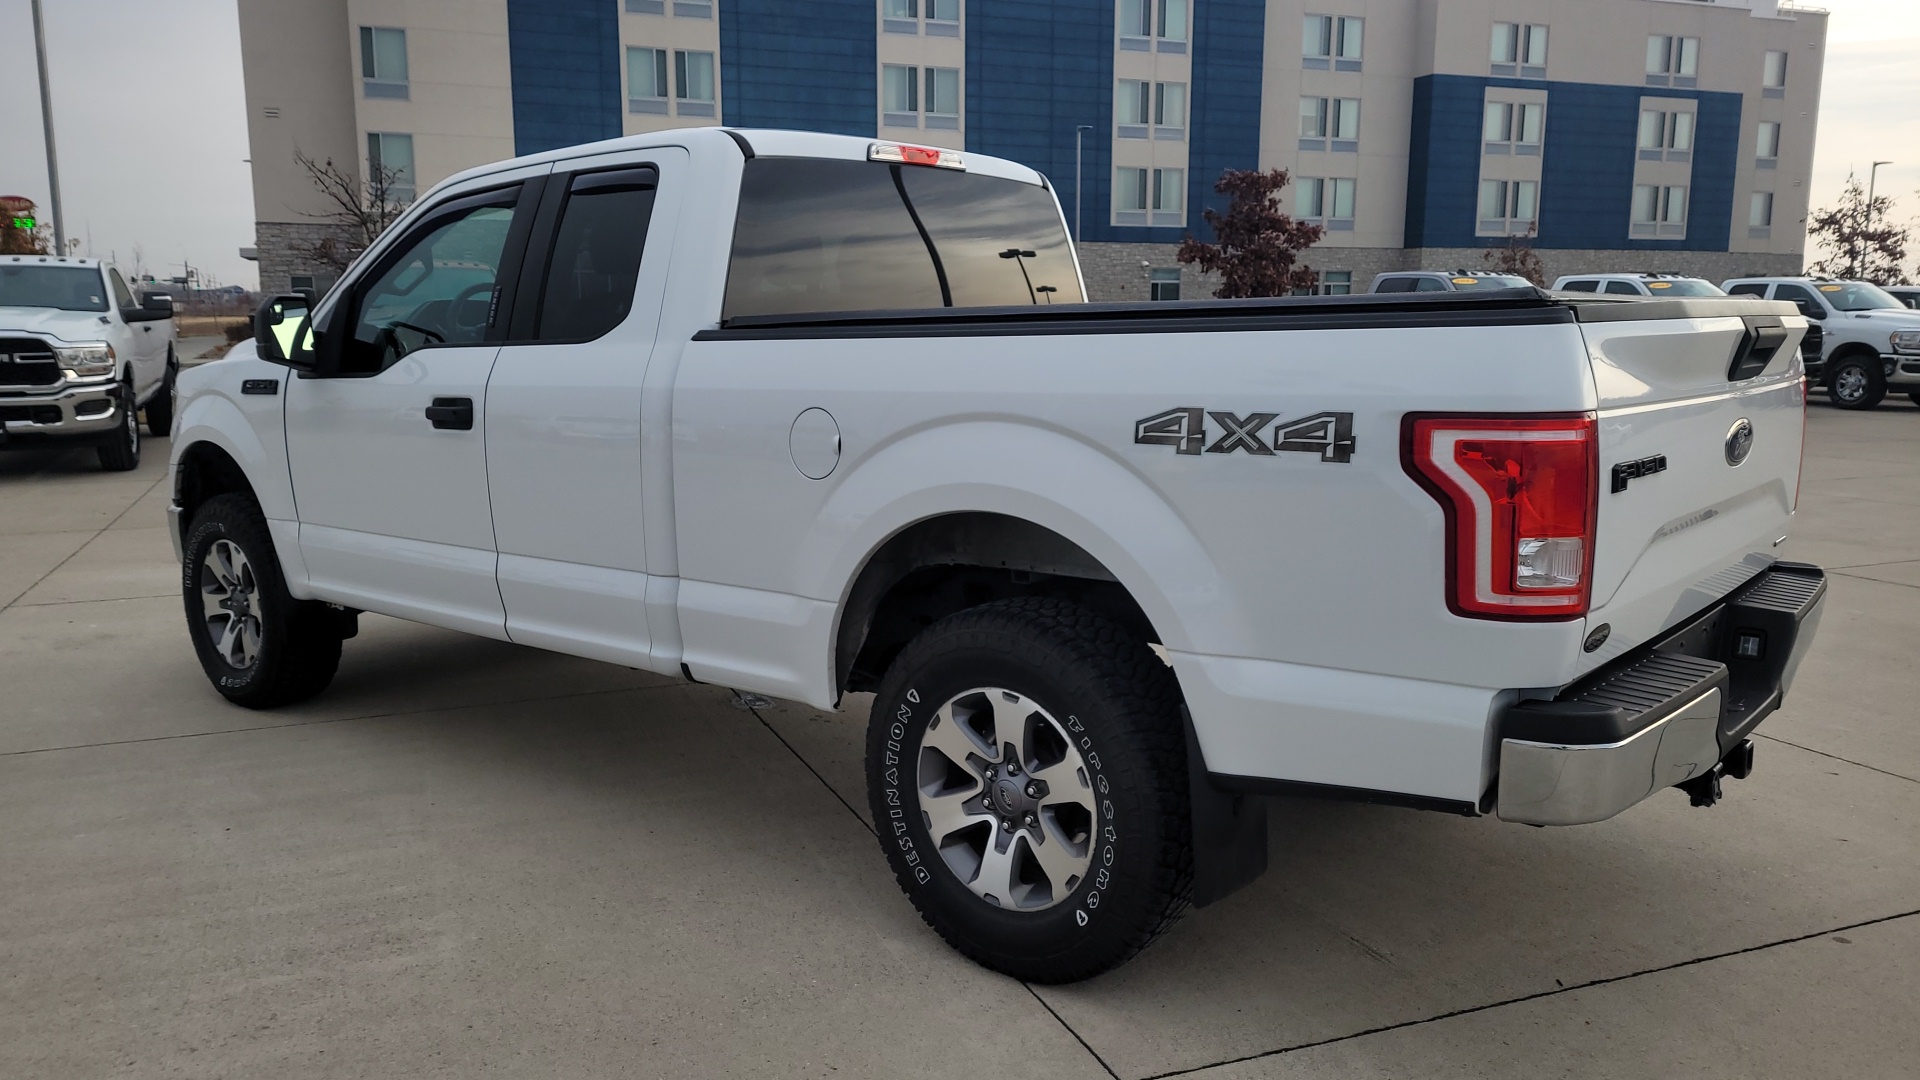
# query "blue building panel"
(1035, 72)
(805, 66)
(564, 60)
(1586, 184)
(1229, 38)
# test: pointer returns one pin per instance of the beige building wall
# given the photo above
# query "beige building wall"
(459, 105)
(291, 60)
(673, 27)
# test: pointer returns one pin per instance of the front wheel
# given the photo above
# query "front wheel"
(1857, 383)
(259, 646)
(1026, 769)
(119, 449)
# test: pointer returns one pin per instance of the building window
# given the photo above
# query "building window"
(1766, 145)
(1520, 49)
(390, 164)
(1773, 79)
(1332, 42)
(647, 7)
(1163, 284)
(1153, 25)
(647, 81)
(1659, 212)
(1760, 216)
(1330, 124)
(1673, 61)
(900, 95)
(935, 18)
(1508, 207)
(1150, 110)
(1169, 196)
(300, 281)
(1327, 202)
(1129, 195)
(1514, 128)
(1336, 283)
(383, 62)
(1666, 136)
(943, 98)
(692, 83)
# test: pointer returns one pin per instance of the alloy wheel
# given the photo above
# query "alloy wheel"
(1004, 795)
(230, 596)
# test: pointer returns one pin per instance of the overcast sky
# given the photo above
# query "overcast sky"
(152, 128)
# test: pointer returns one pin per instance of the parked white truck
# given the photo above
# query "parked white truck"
(808, 415)
(79, 357)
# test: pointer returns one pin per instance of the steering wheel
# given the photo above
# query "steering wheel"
(459, 304)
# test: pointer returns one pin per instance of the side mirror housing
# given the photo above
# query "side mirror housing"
(158, 303)
(283, 329)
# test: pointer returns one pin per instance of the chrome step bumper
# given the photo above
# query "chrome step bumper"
(1663, 715)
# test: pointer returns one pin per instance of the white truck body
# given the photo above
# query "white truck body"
(78, 355)
(732, 498)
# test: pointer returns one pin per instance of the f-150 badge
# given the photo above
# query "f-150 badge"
(1329, 434)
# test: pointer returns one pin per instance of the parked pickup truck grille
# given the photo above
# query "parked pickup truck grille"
(26, 362)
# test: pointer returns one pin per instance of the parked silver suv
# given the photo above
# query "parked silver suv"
(1664, 285)
(1399, 281)
(1870, 341)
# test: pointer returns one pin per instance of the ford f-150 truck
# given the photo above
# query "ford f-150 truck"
(809, 415)
(79, 357)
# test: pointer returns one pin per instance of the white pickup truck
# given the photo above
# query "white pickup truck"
(809, 415)
(79, 357)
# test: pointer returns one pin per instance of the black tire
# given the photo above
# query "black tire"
(119, 449)
(1914, 396)
(160, 409)
(1856, 382)
(1122, 706)
(298, 641)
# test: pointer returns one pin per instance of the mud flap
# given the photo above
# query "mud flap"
(1229, 830)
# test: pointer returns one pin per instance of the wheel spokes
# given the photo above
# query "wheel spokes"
(947, 814)
(951, 735)
(995, 878)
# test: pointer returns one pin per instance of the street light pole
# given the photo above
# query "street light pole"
(1079, 131)
(1873, 183)
(46, 120)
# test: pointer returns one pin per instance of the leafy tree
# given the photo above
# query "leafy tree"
(1259, 246)
(1861, 240)
(15, 240)
(362, 208)
(1517, 258)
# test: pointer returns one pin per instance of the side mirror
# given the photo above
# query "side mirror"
(283, 328)
(159, 303)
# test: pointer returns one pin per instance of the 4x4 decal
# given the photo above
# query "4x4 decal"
(1329, 434)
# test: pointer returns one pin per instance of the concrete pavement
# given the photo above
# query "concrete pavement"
(471, 858)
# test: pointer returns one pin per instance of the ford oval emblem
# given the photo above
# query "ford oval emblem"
(1739, 441)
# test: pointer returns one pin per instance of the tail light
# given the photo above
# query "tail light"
(1519, 493)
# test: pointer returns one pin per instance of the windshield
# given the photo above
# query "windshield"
(1492, 281)
(1684, 287)
(1858, 296)
(69, 288)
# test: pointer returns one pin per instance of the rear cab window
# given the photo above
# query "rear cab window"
(818, 235)
(1581, 286)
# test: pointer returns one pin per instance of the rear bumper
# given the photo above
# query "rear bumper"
(1663, 715)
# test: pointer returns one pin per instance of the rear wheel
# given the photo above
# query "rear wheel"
(1856, 382)
(160, 409)
(259, 646)
(120, 448)
(1026, 767)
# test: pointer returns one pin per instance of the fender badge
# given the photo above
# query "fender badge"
(1739, 441)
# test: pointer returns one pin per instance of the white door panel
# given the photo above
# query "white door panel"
(392, 509)
(589, 611)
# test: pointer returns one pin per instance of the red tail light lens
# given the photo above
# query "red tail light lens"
(1519, 494)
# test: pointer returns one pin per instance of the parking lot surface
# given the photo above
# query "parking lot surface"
(469, 858)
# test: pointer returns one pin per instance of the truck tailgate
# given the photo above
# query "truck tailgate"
(1701, 420)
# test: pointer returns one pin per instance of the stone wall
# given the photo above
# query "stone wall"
(285, 248)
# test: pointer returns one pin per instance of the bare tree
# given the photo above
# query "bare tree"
(1259, 244)
(1518, 258)
(1862, 243)
(17, 238)
(362, 208)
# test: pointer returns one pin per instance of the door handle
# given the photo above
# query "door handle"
(451, 413)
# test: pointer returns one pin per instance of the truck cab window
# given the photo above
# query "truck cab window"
(1802, 299)
(122, 298)
(595, 263)
(435, 287)
(820, 235)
